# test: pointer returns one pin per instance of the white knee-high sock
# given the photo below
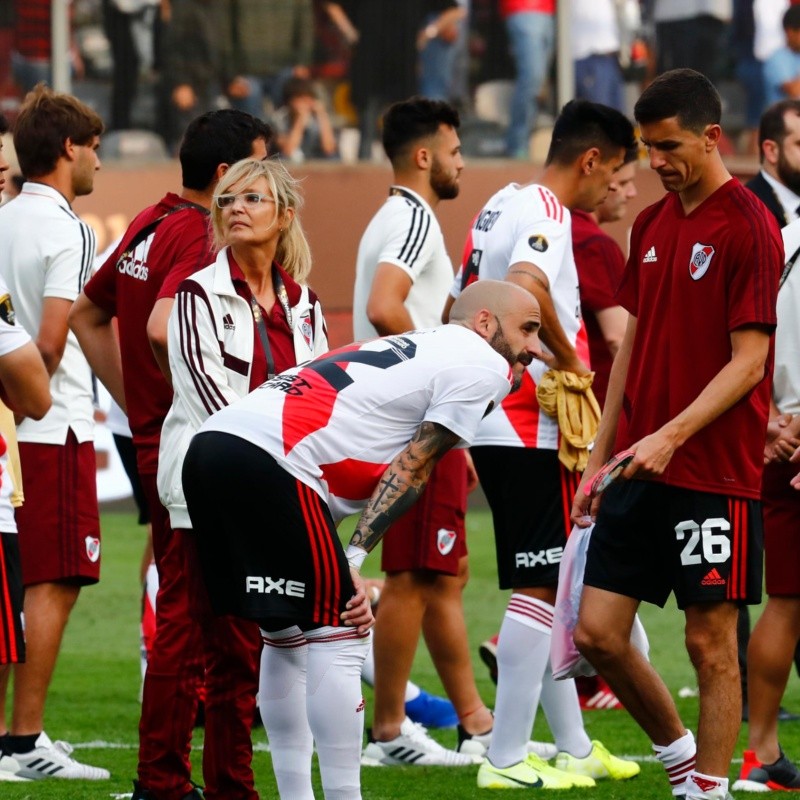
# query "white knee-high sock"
(523, 652)
(282, 702)
(336, 707)
(678, 759)
(563, 711)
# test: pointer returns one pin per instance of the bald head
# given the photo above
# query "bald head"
(497, 297)
(506, 316)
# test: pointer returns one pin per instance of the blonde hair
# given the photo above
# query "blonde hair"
(293, 252)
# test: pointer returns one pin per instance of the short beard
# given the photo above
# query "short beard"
(501, 346)
(789, 176)
(446, 188)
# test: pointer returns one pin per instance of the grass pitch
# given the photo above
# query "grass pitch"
(94, 696)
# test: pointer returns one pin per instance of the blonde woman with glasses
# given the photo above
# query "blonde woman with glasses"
(235, 324)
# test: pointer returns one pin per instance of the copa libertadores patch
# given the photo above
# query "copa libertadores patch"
(7, 313)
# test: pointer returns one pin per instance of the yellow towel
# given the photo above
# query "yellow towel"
(8, 430)
(569, 399)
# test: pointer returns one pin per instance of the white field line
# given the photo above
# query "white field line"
(262, 747)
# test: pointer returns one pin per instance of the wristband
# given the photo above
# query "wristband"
(355, 556)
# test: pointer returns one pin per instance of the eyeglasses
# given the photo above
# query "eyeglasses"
(251, 199)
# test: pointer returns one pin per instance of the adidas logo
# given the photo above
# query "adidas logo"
(650, 256)
(227, 323)
(713, 579)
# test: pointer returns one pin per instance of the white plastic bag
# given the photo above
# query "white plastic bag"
(565, 660)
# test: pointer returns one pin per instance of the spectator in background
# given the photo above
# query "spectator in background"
(190, 67)
(438, 54)
(302, 125)
(777, 185)
(530, 25)
(261, 44)
(782, 69)
(768, 36)
(748, 70)
(385, 56)
(119, 19)
(596, 49)
(691, 33)
(30, 58)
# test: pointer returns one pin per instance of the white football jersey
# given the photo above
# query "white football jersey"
(406, 233)
(48, 252)
(525, 224)
(336, 422)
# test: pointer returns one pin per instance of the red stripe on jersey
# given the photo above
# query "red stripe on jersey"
(310, 409)
(582, 345)
(469, 270)
(352, 479)
(522, 411)
(8, 643)
(553, 208)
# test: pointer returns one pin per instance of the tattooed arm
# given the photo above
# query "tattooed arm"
(398, 489)
(402, 483)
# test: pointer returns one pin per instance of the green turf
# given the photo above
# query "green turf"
(94, 695)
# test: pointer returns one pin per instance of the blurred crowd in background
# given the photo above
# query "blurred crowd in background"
(322, 72)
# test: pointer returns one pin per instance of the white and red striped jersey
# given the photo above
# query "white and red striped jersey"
(525, 224)
(336, 422)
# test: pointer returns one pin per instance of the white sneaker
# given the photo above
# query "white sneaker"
(414, 746)
(477, 744)
(52, 760)
(9, 767)
(545, 750)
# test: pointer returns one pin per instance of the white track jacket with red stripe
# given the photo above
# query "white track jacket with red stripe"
(210, 355)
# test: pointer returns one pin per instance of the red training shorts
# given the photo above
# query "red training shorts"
(431, 534)
(781, 509)
(59, 525)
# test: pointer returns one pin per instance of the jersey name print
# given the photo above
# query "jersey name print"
(519, 225)
(336, 422)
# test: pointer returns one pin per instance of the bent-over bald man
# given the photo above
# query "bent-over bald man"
(268, 478)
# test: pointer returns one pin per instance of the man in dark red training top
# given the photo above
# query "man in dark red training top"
(689, 394)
